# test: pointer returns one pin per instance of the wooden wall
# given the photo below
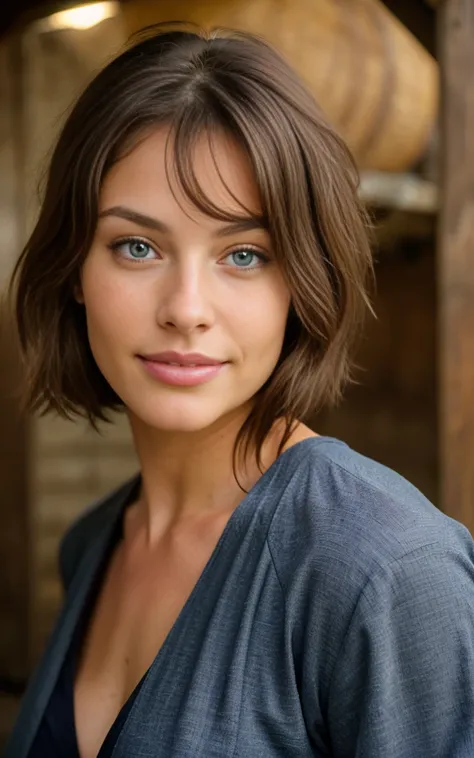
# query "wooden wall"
(456, 261)
(15, 543)
(14, 568)
(391, 414)
(50, 469)
(70, 465)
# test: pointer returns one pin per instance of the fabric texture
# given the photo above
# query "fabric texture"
(335, 618)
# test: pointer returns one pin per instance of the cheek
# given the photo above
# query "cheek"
(113, 309)
(264, 316)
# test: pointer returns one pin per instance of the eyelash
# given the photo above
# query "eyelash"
(114, 247)
(128, 241)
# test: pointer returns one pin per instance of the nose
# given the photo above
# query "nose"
(184, 300)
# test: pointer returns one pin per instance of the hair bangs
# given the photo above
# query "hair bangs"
(184, 140)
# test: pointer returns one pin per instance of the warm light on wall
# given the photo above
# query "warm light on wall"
(82, 16)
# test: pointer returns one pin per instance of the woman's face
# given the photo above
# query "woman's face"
(186, 314)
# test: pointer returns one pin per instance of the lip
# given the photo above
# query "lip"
(182, 359)
(182, 370)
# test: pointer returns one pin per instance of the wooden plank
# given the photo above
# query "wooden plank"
(456, 261)
(405, 192)
(15, 542)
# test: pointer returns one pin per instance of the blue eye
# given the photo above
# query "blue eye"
(133, 249)
(247, 258)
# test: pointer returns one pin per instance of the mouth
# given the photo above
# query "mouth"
(182, 359)
(182, 370)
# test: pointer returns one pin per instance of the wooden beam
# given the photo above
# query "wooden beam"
(406, 192)
(419, 19)
(456, 261)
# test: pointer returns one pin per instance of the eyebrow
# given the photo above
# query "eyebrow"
(244, 224)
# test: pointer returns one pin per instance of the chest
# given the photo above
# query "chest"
(133, 613)
(224, 683)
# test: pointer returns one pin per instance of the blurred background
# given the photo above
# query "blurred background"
(397, 80)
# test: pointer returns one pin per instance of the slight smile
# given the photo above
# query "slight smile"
(182, 370)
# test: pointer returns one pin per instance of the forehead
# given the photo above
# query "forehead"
(147, 174)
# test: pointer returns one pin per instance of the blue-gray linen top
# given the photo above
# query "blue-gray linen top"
(335, 617)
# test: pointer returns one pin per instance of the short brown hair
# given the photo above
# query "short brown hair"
(197, 82)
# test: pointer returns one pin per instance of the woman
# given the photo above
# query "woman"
(201, 261)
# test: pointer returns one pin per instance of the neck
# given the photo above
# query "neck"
(189, 475)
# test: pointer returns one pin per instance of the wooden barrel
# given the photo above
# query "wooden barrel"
(377, 84)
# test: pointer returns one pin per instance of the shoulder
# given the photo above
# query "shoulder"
(365, 561)
(348, 516)
(89, 524)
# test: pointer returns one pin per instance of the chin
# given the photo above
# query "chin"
(178, 415)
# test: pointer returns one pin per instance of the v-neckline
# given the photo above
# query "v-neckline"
(233, 521)
(86, 613)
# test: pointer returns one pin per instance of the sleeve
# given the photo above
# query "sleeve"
(67, 557)
(76, 540)
(403, 682)
(86, 526)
